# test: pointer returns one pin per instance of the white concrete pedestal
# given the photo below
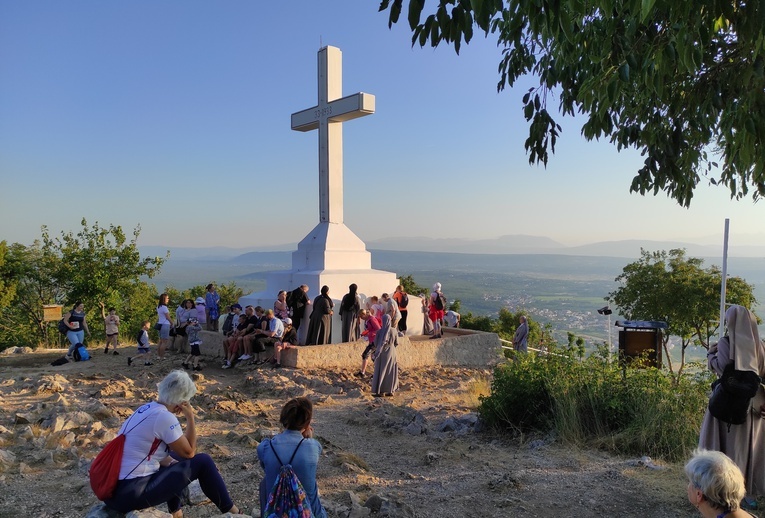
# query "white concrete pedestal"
(334, 256)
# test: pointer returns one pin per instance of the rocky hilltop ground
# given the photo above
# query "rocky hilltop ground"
(420, 453)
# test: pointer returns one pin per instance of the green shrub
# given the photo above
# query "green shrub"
(594, 402)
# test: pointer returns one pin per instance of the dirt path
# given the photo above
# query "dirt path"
(419, 453)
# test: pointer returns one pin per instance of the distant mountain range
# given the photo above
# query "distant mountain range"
(511, 244)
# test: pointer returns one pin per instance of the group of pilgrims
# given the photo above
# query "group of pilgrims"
(380, 320)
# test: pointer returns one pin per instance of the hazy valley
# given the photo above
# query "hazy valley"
(565, 290)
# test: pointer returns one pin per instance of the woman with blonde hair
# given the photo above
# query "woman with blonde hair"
(715, 485)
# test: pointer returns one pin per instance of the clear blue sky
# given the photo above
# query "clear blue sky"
(175, 116)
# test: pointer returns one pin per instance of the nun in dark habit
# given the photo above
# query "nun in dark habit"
(320, 325)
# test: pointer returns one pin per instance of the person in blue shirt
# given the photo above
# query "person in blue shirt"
(212, 308)
(296, 418)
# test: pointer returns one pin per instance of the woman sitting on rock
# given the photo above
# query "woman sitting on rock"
(159, 459)
(295, 446)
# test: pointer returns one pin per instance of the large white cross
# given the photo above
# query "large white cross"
(328, 116)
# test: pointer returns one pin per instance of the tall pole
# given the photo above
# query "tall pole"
(724, 280)
(610, 349)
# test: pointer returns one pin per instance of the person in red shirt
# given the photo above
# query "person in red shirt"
(371, 326)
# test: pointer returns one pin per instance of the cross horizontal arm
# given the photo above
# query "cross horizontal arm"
(339, 110)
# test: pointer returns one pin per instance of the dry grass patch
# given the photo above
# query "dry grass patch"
(351, 458)
(477, 388)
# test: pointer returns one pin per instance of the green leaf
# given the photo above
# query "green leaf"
(477, 7)
(528, 111)
(612, 92)
(395, 12)
(645, 10)
(415, 10)
(624, 72)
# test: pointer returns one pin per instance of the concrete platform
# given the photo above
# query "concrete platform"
(457, 348)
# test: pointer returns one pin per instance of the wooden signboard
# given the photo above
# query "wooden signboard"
(634, 343)
(52, 312)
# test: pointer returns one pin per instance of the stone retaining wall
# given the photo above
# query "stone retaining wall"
(458, 347)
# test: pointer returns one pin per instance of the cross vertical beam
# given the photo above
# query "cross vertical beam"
(328, 117)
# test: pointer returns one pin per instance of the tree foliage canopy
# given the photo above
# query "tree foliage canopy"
(97, 266)
(671, 287)
(683, 82)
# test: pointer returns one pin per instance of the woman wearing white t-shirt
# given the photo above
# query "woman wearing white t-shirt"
(164, 321)
(160, 459)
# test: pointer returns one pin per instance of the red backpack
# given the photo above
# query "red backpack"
(105, 469)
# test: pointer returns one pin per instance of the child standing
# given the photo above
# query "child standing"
(192, 331)
(143, 344)
(371, 326)
(112, 327)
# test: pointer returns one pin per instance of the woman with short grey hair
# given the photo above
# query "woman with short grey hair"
(159, 459)
(715, 485)
(175, 389)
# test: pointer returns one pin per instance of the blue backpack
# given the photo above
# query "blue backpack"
(80, 353)
(287, 497)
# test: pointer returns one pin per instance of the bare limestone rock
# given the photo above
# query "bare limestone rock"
(98, 410)
(26, 433)
(196, 495)
(76, 420)
(391, 509)
(16, 350)
(374, 502)
(59, 400)
(148, 513)
(7, 460)
(432, 457)
(101, 511)
(50, 384)
(349, 498)
(53, 424)
(25, 418)
(359, 511)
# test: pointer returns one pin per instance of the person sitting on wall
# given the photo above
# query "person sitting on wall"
(245, 345)
(269, 336)
(452, 318)
(231, 344)
(288, 341)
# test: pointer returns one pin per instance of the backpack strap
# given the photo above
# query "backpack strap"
(154, 444)
(139, 422)
(296, 449)
(270, 443)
